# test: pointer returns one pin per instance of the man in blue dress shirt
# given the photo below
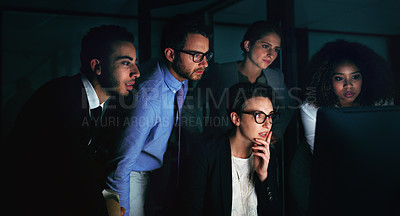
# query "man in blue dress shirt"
(185, 52)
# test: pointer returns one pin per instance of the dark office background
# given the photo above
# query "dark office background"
(40, 40)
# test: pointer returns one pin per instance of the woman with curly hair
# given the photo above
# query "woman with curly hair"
(344, 74)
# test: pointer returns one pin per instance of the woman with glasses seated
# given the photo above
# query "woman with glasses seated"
(235, 174)
(260, 45)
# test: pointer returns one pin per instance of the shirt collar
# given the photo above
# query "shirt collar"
(173, 84)
(91, 93)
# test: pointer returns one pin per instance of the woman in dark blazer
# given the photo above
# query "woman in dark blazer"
(235, 174)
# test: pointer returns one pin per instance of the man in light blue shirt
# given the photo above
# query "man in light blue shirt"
(185, 52)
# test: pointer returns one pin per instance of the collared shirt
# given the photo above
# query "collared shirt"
(93, 99)
(94, 102)
(149, 127)
(260, 79)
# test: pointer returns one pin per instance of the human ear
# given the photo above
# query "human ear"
(169, 54)
(246, 45)
(235, 118)
(95, 66)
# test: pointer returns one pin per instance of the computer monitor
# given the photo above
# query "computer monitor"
(356, 164)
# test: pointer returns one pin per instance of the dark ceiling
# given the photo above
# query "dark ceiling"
(361, 16)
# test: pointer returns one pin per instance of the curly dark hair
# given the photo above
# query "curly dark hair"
(377, 85)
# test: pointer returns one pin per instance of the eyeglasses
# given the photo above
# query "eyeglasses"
(197, 56)
(260, 117)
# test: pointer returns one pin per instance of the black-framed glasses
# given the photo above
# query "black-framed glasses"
(197, 56)
(260, 117)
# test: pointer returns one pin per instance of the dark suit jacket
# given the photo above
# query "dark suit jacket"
(206, 184)
(55, 171)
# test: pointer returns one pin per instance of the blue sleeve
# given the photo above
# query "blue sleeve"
(140, 123)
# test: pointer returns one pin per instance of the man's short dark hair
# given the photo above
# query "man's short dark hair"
(96, 44)
(175, 32)
(239, 93)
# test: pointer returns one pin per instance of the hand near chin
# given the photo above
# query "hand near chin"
(261, 155)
